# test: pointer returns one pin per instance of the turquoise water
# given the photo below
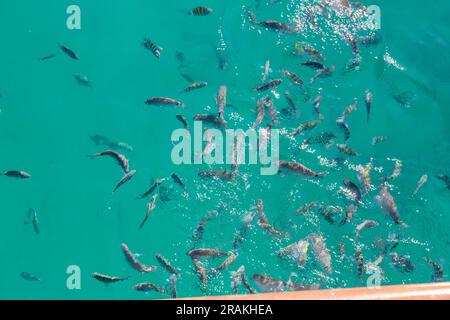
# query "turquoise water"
(46, 119)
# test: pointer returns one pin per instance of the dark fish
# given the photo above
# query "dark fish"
(265, 224)
(33, 219)
(387, 204)
(164, 102)
(369, 99)
(222, 174)
(344, 126)
(198, 233)
(292, 107)
(355, 189)
(127, 177)
(349, 213)
(16, 174)
(378, 139)
(29, 276)
(163, 261)
(438, 275)
(270, 85)
(305, 126)
(346, 150)
(274, 25)
(187, 77)
(154, 48)
(121, 159)
(183, 121)
(402, 263)
(107, 279)
(313, 65)
(147, 287)
(150, 208)
(272, 110)
(206, 253)
(295, 79)
(195, 86)
(178, 181)
(209, 118)
(152, 188)
(359, 261)
(324, 139)
(201, 11)
(136, 264)
(201, 272)
(301, 169)
(445, 178)
(69, 52)
(364, 225)
(228, 261)
(47, 57)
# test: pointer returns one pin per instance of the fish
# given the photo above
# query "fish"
(246, 284)
(295, 79)
(364, 176)
(264, 221)
(402, 263)
(152, 188)
(209, 118)
(438, 275)
(313, 65)
(396, 173)
(387, 204)
(268, 284)
(165, 263)
(328, 212)
(305, 126)
(316, 105)
(147, 287)
(47, 57)
(107, 278)
(354, 188)
(201, 272)
(349, 213)
(274, 25)
(272, 110)
(349, 110)
(345, 128)
(206, 253)
(195, 86)
(236, 278)
(303, 48)
(30, 277)
(222, 174)
(364, 225)
(240, 235)
(341, 247)
(16, 174)
(297, 250)
(153, 47)
(259, 113)
(136, 264)
(445, 178)
(69, 52)
(201, 11)
(198, 233)
(300, 169)
(228, 261)
(268, 86)
(122, 161)
(150, 208)
(183, 121)
(325, 139)
(306, 208)
(127, 177)
(353, 64)
(346, 150)
(33, 219)
(323, 73)
(369, 99)
(178, 181)
(266, 71)
(420, 184)
(320, 251)
(378, 139)
(173, 286)
(359, 261)
(100, 140)
(292, 107)
(164, 102)
(83, 80)
(221, 100)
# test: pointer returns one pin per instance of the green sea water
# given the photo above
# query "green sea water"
(47, 118)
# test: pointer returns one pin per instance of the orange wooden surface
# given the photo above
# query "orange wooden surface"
(430, 291)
